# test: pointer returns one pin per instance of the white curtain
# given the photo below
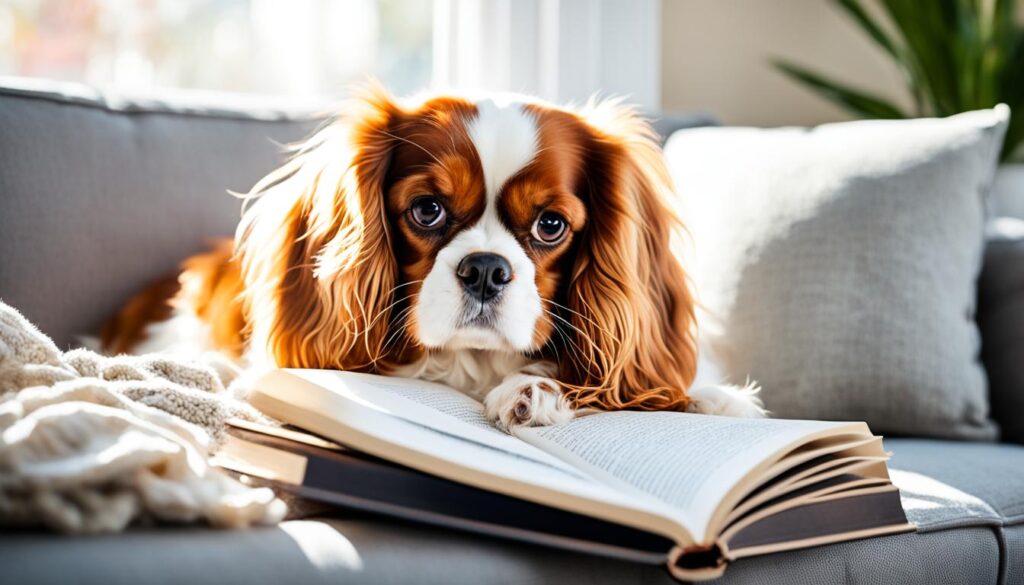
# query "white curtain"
(560, 50)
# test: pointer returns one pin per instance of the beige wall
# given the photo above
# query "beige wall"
(715, 58)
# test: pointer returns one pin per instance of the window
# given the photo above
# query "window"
(562, 50)
(294, 47)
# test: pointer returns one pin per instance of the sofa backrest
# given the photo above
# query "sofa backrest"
(100, 194)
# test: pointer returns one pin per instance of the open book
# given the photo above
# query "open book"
(691, 491)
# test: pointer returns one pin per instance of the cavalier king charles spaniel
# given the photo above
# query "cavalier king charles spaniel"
(519, 252)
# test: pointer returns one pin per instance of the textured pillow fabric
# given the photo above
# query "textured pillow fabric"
(1001, 320)
(837, 265)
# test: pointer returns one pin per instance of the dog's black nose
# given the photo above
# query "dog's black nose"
(483, 275)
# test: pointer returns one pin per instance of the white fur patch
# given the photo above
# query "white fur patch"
(727, 400)
(505, 137)
(183, 334)
(711, 395)
(472, 372)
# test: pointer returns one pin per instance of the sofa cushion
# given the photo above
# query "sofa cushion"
(1001, 321)
(965, 498)
(968, 555)
(837, 265)
(950, 486)
(1013, 542)
(99, 195)
(351, 550)
(988, 473)
(357, 550)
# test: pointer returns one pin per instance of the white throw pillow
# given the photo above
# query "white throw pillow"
(837, 265)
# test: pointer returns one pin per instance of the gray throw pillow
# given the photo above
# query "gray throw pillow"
(1001, 319)
(836, 266)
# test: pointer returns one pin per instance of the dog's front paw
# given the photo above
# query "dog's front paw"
(527, 400)
(724, 400)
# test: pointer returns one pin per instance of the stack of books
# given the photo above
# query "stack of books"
(692, 492)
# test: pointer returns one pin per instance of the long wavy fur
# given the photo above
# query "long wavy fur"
(631, 311)
(315, 249)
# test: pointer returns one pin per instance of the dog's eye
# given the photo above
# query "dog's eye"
(427, 212)
(550, 228)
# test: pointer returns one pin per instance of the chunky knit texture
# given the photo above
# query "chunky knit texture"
(90, 443)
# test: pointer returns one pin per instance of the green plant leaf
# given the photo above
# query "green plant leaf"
(933, 33)
(956, 56)
(872, 28)
(899, 53)
(854, 101)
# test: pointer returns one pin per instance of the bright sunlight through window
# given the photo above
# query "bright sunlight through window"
(304, 48)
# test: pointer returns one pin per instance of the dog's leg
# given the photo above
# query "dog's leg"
(727, 400)
(527, 398)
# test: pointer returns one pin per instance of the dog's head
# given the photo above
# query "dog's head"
(497, 224)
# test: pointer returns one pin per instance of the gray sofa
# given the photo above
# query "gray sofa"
(99, 196)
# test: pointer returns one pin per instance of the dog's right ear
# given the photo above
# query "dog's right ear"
(630, 307)
(315, 247)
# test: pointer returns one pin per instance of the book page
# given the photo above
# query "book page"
(687, 461)
(434, 406)
(437, 397)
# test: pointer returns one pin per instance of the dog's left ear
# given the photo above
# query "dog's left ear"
(315, 246)
(632, 311)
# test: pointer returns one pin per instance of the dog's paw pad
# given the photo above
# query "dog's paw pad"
(522, 411)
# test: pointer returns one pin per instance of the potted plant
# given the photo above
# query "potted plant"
(955, 56)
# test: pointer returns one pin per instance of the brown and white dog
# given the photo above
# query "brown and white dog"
(519, 252)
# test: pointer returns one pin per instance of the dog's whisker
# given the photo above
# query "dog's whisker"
(384, 311)
(582, 333)
(407, 141)
(392, 346)
(594, 355)
(582, 316)
(398, 325)
(568, 340)
(399, 328)
(576, 361)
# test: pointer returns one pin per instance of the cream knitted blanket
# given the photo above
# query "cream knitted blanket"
(90, 443)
